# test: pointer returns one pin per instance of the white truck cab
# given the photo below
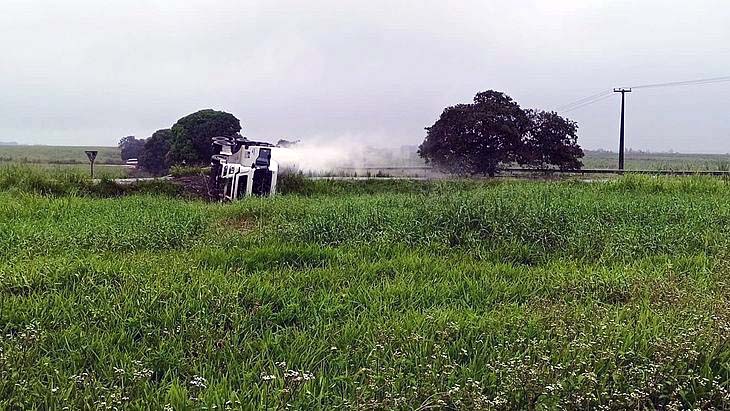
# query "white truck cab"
(242, 168)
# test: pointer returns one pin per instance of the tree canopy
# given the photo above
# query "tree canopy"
(192, 134)
(494, 131)
(153, 157)
(130, 147)
(552, 140)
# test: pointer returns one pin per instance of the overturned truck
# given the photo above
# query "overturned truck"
(240, 168)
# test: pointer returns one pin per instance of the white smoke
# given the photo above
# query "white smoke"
(346, 157)
(318, 157)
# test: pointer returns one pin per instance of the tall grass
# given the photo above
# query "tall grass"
(29, 179)
(26, 179)
(463, 295)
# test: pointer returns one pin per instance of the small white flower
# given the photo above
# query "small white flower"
(198, 381)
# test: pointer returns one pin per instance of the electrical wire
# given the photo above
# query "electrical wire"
(687, 82)
(595, 98)
(588, 103)
(583, 100)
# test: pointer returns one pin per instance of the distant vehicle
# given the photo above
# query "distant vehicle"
(132, 162)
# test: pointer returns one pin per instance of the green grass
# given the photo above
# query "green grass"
(100, 170)
(58, 154)
(636, 160)
(385, 295)
(30, 179)
(60, 160)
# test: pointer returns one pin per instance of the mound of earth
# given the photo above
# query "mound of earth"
(193, 186)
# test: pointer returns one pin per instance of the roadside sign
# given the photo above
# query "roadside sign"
(92, 156)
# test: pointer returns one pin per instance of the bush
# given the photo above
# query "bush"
(38, 181)
(187, 171)
(292, 183)
(34, 180)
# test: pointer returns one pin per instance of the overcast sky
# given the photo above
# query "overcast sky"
(79, 72)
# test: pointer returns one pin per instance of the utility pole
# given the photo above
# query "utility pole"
(623, 92)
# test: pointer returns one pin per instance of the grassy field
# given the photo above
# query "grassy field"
(58, 154)
(636, 160)
(66, 159)
(368, 295)
(100, 170)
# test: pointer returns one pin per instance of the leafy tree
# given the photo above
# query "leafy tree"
(476, 138)
(552, 141)
(192, 134)
(154, 155)
(493, 131)
(130, 147)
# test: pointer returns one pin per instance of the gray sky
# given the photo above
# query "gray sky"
(91, 71)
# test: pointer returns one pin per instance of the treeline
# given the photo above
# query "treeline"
(187, 142)
(491, 133)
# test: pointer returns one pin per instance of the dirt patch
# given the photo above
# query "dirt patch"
(193, 186)
(240, 224)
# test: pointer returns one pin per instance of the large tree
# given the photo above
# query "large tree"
(154, 155)
(494, 131)
(192, 134)
(130, 147)
(551, 140)
(476, 138)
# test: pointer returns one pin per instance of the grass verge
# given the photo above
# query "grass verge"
(510, 295)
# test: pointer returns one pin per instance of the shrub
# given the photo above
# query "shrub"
(187, 171)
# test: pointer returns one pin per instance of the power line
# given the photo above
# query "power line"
(589, 102)
(687, 82)
(592, 99)
(595, 98)
(583, 100)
